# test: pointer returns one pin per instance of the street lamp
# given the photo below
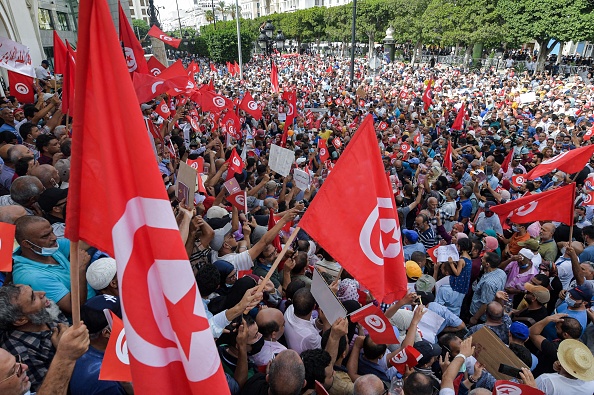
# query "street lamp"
(265, 40)
(280, 41)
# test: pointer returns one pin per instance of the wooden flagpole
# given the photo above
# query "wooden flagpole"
(74, 283)
(279, 258)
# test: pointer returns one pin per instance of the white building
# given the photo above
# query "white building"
(139, 10)
(251, 9)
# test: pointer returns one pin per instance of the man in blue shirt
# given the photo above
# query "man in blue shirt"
(465, 206)
(42, 262)
(8, 116)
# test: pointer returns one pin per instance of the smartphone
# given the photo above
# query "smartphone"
(510, 370)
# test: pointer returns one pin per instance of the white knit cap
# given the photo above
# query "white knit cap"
(101, 272)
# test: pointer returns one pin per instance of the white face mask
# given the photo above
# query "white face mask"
(45, 251)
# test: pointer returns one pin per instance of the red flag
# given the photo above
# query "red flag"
(250, 106)
(6, 246)
(163, 110)
(417, 139)
(171, 347)
(323, 150)
(459, 121)
(448, 162)
(231, 125)
(60, 53)
(504, 387)
(213, 68)
(320, 390)
(238, 200)
(410, 357)
(427, 99)
(433, 253)
(237, 68)
(518, 179)
(158, 33)
(587, 136)
(507, 160)
(21, 87)
(291, 98)
(382, 126)
(192, 69)
(569, 161)
(147, 86)
(235, 163)
(68, 82)
(377, 324)
(588, 200)
(553, 205)
(212, 101)
(155, 67)
(197, 164)
(337, 143)
(133, 51)
(273, 77)
(116, 362)
(271, 224)
(369, 245)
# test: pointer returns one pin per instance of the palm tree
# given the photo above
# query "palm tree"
(222, 9)
(209, 15)
(232, 11)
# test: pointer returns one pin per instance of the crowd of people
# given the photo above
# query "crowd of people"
(528, 283)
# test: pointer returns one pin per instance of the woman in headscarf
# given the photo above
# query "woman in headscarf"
(228, 276)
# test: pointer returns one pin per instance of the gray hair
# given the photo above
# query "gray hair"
(9, 309)
(59, 131)
(286, 374)
(25, 188)
(14, 154)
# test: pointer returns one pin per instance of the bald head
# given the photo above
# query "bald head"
(16, 152)
(4, 151)
(47, 174)
(368, 384)
(9, 214)
(271, 323)
(286, 375)
(26, 225)
(494, 311)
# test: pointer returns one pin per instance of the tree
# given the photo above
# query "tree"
(232, 11)
(548, 22)
(222, 42)
(373, 17)
(407, 29)
(209, 16)
(140, 27)
(221, 7)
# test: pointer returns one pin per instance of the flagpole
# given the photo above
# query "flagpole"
(237, 23)
(572, 217)
(74, 283)
(279, 258)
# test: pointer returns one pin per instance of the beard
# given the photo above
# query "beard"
(45, 316)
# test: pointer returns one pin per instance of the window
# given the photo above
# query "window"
(45, 19)
(143, 11)
(63, 21)
(131, 11)
(142, 3)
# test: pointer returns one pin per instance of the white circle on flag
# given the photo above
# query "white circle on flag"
(252, 105)
(526, 209)
(508, 389)
(375, 322)
(520, 180)
(165, 38)
(155, 85)
(588, 199)
(322, 151)
(240, 200)
(218, 101)
(368, 239)
(164, 108)
(121, 348)
(236, 162)
(155, 71)
(21, 88)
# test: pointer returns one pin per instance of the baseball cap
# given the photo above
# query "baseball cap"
(425, 283)
(531, 244)
(145, 106)
(540, 293)
(101, 272)
(537, 179)
(413, 270)
(219, 237)
(519, 330)
(216, 212)
(411, 235)
(428, 349)
(489, 204)
(414, 161)
(50, 197)
(581, 292)
(92, 311)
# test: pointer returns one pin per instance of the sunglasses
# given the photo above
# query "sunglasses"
(18, 369)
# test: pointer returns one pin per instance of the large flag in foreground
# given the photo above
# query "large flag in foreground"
(117, 203)
(553, 205)
(354, 218)
(568, 161)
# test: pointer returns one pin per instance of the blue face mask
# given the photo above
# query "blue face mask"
(165, 161)
(570, 302)
(45, 251)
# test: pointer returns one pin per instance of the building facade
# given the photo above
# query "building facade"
(139, 10)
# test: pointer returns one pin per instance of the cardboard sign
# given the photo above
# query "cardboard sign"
(281, 160)
(492, 352)
(527, 97)
(186, 176)
(301, 179)
(326, 299)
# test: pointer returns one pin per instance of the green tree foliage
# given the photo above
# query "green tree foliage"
(222, 42)
(140, 27)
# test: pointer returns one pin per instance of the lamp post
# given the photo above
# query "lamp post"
(265, 40)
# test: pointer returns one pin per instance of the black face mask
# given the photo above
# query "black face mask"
(257, 346)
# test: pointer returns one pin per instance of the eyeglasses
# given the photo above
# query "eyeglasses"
(18, 369)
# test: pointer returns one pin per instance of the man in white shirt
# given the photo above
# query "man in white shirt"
(42, 72)
(575, 371)
(301, 332)
(271, 325)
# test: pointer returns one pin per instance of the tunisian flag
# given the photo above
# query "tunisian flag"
(448, 163)
(155, 67)
(427, 99)
(459, 121)
(504, 387)
(553, 205)
(171, 348)
(323, 150)
(68, 82)
(250, 106)
(357, 199)
(408, 357)
(60, 52)
(158, 33)
(569, 161)
(21, 86)
(377, 324)
(133, 52)
(273, 77)
(507, 160)
(291, 98)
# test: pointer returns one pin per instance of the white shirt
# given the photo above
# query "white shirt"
(241, 261)
(301, 334)
(268, 350)
(555, 384)
(42, 73)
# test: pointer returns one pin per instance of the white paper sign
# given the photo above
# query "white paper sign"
(443, 253)
(429, 325)
(301, 179)
(15, 57)
(527, 97)
(281, 160)
(326, 299)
